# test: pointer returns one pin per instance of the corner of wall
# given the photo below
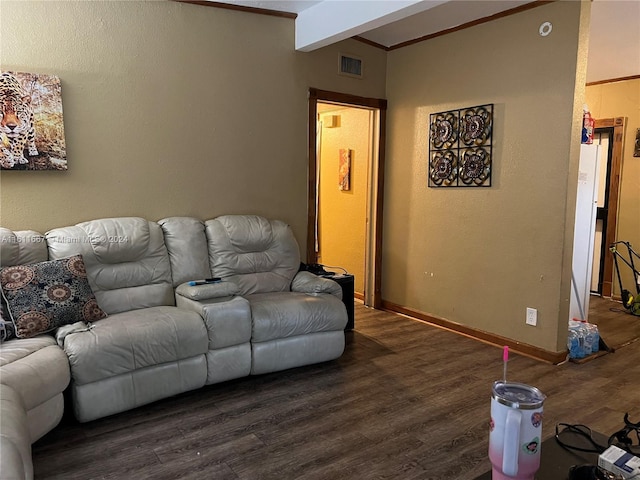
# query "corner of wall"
(574, 160)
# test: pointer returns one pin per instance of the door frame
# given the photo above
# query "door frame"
(316, 95)
(613, 187)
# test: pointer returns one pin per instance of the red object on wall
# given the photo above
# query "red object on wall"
(588, 124)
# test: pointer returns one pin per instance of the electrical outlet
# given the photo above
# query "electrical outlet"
(532, 316)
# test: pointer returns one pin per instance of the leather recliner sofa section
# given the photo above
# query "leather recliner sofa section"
(162, 336)
(226, 316)
(147, 348)
(34, 372)
(295, 318)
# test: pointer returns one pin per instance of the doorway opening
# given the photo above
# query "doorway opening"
(602, 137)
(346, 167)
(609, 134)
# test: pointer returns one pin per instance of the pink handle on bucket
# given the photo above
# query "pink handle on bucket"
(511, 443)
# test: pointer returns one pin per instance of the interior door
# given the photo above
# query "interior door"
(616, 127)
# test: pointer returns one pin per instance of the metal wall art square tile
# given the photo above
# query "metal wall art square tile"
(460, 147)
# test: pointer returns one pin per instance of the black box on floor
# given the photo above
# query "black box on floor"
(347, 283)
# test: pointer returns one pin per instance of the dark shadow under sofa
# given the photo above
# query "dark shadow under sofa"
(162, 336)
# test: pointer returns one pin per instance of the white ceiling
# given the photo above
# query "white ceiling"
(614, 44)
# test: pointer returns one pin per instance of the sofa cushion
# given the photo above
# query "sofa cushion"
(15, 440)
(187, 246)
(17, 248)
(133, 340)
(35, 367)
(287, 314)
(307, 282)
(20, 247)
(43, 296)
(126, 260)
(259, 255)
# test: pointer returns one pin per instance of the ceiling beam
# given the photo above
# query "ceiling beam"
(332, 21)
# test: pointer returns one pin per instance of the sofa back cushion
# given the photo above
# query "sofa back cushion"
(257, 254)
(187, 245)
(22, 247)
(18, 248)
(126, 261)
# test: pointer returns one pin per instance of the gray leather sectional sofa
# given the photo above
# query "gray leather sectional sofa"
(162, 336)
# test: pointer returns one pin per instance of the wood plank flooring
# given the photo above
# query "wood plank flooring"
(405, 401)
(617, 326)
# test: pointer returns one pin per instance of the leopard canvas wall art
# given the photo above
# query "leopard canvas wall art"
(31, 123)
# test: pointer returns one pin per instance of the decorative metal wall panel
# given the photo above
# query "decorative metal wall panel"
(460, 147)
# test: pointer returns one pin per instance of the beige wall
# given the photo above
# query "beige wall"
(622, 99)
(171, 109)
(480, 256)
(343, 214)
(177, 109)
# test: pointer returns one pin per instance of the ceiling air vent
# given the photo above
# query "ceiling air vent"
(350, 66)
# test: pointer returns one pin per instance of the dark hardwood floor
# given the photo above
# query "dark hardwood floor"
(617, 326)
(406, 401)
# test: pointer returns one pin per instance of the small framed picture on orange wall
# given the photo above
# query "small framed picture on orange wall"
(344, 170)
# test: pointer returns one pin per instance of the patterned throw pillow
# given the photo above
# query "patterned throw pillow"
(44, 296)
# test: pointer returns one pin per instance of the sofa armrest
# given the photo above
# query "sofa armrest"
(228, 320)
(208, 291)
(15, 440)
(307, 282)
